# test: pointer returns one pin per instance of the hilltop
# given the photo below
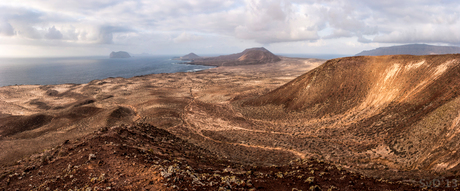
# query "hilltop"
(247, 57)
(190, 56)
(411, 49)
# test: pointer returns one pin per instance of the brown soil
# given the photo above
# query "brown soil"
(398, 112)
(143, 157)
(14, 124)
(33, 117)
(391, 117)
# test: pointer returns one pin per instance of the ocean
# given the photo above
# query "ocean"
(79, 70)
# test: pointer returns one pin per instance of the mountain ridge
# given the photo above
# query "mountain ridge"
(411, 49)
(397, 104)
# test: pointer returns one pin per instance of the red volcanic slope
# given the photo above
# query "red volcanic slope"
(345, 83)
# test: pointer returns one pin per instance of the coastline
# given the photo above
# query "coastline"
(207, 109)
(72, 110)
(54, 71)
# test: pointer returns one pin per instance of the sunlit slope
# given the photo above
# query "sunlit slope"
(402, 111)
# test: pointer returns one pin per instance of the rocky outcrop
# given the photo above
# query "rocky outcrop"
(119, 54)
(411, 49)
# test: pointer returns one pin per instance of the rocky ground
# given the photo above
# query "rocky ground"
(199, 131)
(143, 157)
(33, 117)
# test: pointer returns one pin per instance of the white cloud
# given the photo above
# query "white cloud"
(276, 21)
(6, 29)
(186, 37)
(138, 24)
(53, 33)
(425, 33)
(416, 21)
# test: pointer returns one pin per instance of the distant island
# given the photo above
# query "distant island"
(258, 55)
(188, 57)
(119, 54)
(411, 49)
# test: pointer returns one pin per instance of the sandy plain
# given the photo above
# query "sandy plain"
(189, 105)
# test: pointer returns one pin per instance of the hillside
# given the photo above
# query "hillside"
(247, 57)
(411, 49)
(353, 123)
(141, 156)
(79, 139)
(398, 112)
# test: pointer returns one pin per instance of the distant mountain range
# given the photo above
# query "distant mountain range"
(249, 56)
(411, 49)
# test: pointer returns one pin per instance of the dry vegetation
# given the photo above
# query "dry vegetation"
(143, 157)
(392, 117)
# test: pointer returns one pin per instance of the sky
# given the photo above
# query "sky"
(50, 28)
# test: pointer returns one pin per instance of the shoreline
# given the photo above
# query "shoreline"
(74, 76)
(73, 110)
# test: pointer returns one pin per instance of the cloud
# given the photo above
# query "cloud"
(28, 32)
(186, 37)
(348, 21)
(422, 34)
(415, 21)
(6, 29)
(106, 33)
(53, 33)
(17, 21)
(362, 39)
(72, 34)
(276, 21)
(116, 23)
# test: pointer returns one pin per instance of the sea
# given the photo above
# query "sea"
(79, 70)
